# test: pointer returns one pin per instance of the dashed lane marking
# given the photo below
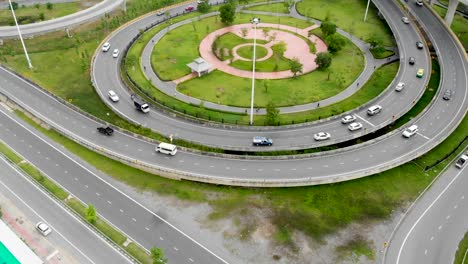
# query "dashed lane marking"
(365, 120)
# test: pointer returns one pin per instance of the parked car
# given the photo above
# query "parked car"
(189, 8)
(462, 161)
(405, 20)
(419, 2)
(419, 45)
(108, 131)
(160, 13)
(400, 86)
(113, 96)
(411, 60)
(447, 95)
(115, 54)
(410, 131)
(355, 126)
(106, 46)
(43, 228)
(348, 119)
(420, 73)
(373, 110)
(262, 141)
(322, 136)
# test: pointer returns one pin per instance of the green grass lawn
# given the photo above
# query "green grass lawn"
(381, 54)
(348, 15)
(225, 43)
(461, 251)
(247, 52)
(270, 7)
(31, 14)
(180, 46)
(328, 207)
(459, 25)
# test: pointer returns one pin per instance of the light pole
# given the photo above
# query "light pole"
(21, 37)
(367, 10)
(255, 22)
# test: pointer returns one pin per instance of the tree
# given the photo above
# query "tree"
(41, 16)
(13, 5)
(91, 214)
(272, 114)
(374, 41)
(244, 32)
(204, 7)
(157, 255)
(49, 5)
(323, 60)
(288, 4)
(328, 28)
(279, 49)
(266, 84)
(296, 66)
(265, 31)
(335, 43)
(227, 13)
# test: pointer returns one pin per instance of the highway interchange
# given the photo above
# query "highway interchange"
(435, 124)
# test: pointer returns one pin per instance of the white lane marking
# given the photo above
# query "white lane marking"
(440, 227)
(455, 206)
(160, 238)
(243, 169)
(86, 186)
(98, 194)
(228, 168)
(102, 180)
(425, 252)
(432, 238)
(326, 166)
(176, 249)
(52, 255)
(121, 210)
(109, 202)
(425, 212)
(191, 260)
(133, 219)
(423, 136)
(76, 179)
(60, 206)
(364, 120)
(147, 229)
(448, 217)
(463, 197)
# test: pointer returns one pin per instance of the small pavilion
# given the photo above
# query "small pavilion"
(200, 66)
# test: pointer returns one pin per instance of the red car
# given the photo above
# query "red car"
(189, 8)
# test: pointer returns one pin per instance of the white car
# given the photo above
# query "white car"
(410, 131)
(405, 20)
(43, 228)
(400, 86)
(321, 136)
(348, 119)
(355, 126)
(419, 2)
(113, 96)
(106, 46)
(115, 54)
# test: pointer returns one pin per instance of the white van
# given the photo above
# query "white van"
(166, 148)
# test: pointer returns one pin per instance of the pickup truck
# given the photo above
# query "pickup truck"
(140, 105)
(462, 161)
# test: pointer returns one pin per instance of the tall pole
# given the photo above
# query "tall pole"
(21, 37)
(367, 10)
(255, 21)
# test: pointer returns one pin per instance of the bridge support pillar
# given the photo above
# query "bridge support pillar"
(452, 8)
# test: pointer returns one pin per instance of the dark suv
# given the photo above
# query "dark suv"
(447, 95)
(262, 141)
(108, 131)
(411, 60)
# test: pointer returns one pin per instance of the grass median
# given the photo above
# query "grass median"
(55, 190)
(461, 256)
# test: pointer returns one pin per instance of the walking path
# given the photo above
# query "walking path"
(169, 87)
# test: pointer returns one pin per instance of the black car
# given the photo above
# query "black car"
(419, 45)
(411, 60)
(447, 95)
(108, 131)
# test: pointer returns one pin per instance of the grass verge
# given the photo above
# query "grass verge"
(355, 248)
(101, 225)
(37, 13)
(329, 207)
(462, 251)
(459, 25)
(270, 7)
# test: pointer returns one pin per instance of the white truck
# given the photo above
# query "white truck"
(462, 161)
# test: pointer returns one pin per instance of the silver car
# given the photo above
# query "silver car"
(43, 228)
(355, 126)
(322, 136)
(348, 119)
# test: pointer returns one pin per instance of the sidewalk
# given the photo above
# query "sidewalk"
(169, 87)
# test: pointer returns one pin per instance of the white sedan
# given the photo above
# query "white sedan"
(113, 96)
(400, 86)
(355, 126)
(321, 136)
(43, 228)
(106, 46)
(115, 54)
(348, 119)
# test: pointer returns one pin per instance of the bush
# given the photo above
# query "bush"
(14, 5)
(204, 7)
(49, 5)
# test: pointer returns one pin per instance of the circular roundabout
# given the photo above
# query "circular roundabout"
(348, 163)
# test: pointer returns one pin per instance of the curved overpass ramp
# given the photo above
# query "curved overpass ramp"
(77, 18)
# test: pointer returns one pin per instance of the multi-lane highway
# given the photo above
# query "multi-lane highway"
(89, 14)
(69, 232)
(433, 227)
(137, 222)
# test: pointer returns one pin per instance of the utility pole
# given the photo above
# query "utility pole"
(254, 21)
(21, 37)
(367, 10)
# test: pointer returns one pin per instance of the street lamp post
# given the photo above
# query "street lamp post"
(254, 21)
(21, 37)
(367, 10)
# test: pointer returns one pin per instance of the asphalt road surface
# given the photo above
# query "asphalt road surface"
(137, 222)
(434, 226)
(67, 230)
